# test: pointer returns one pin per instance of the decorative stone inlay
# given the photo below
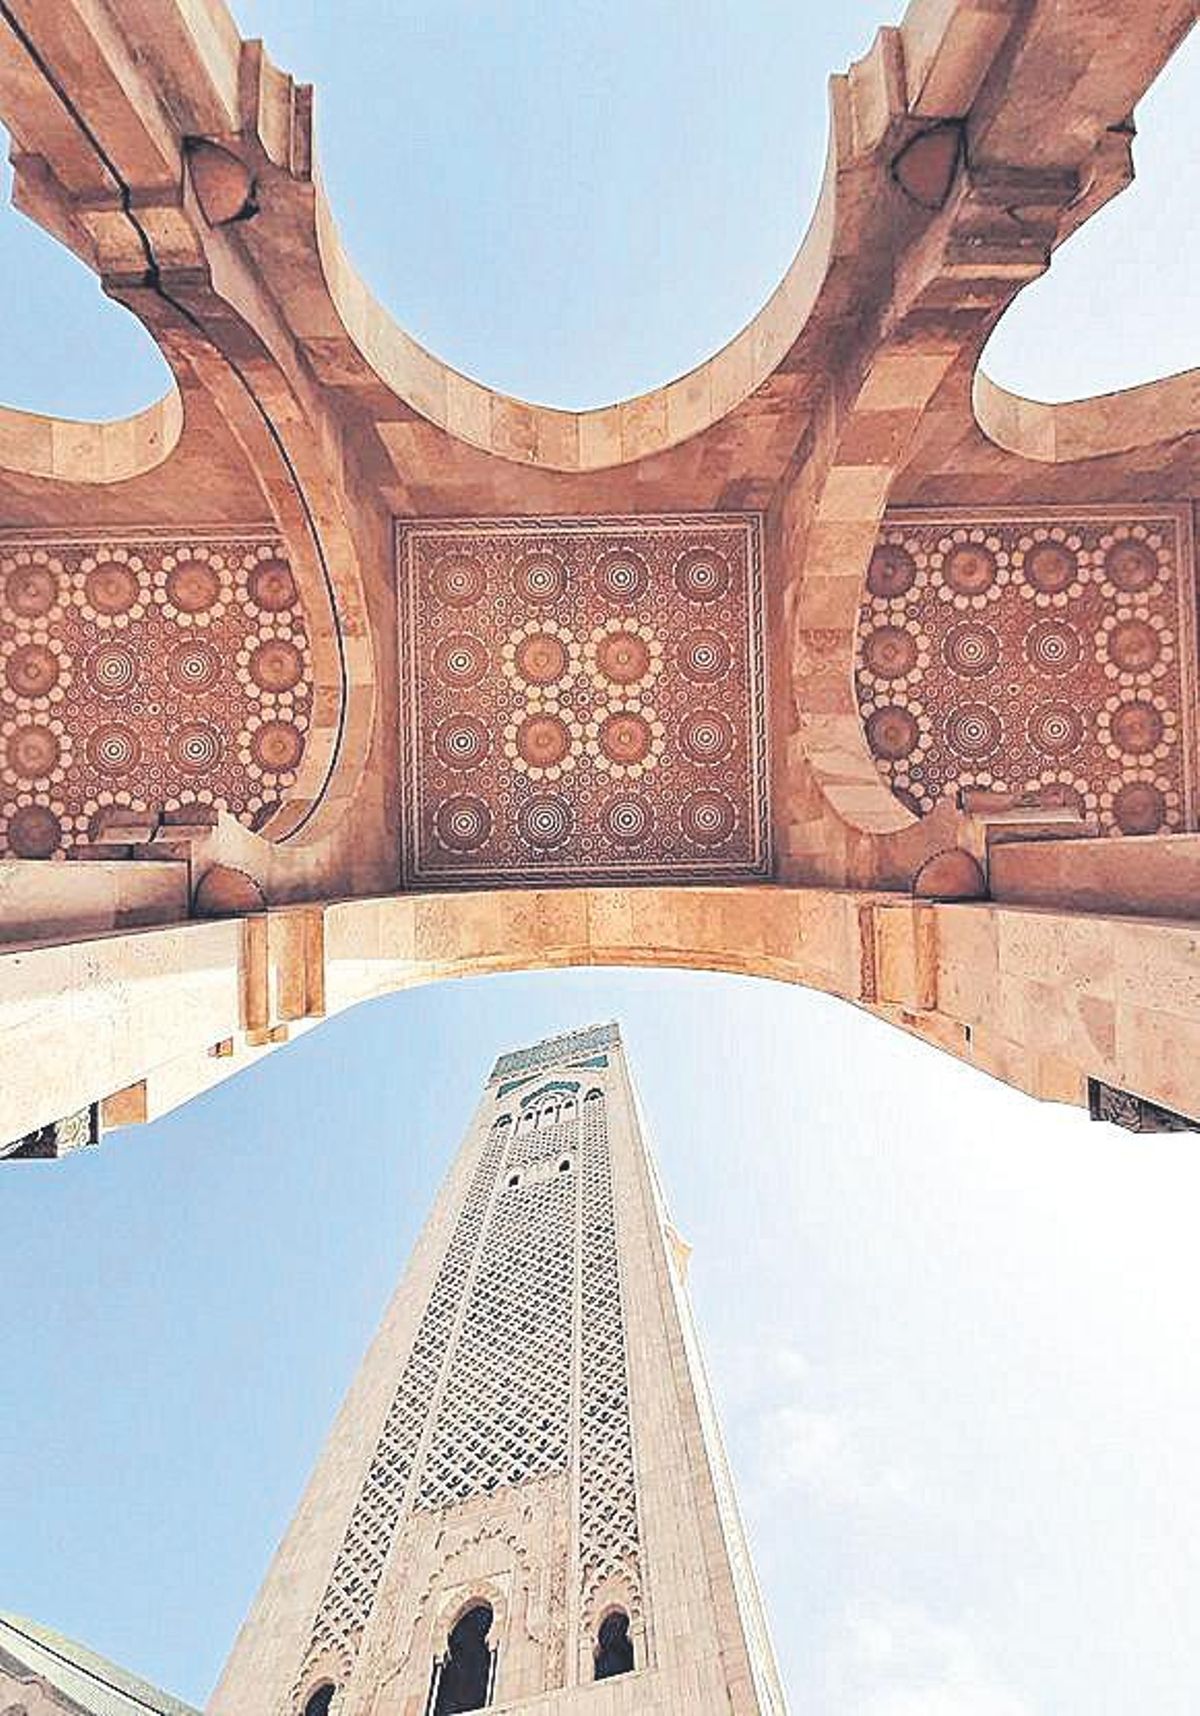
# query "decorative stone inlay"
(585, 700)
(1054, 650)
(149, 673)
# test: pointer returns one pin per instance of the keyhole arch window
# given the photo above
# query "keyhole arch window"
(320, 1699)
(464, 1677)
(613, 1652)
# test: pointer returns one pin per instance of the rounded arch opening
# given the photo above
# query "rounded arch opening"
(70, 352)
(465, 1675)
(320, 1699)
(1064, 342)
(613, 1653)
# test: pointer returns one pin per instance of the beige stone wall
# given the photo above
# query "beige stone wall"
(163, 1013)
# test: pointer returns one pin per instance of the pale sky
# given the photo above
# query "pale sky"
(955, 1335)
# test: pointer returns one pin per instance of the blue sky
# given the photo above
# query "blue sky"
(953, 1334)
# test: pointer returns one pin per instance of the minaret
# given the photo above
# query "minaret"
(524, 1503)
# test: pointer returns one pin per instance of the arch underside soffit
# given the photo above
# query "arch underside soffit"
(768, 620)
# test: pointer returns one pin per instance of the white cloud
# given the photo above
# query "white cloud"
(821, 1453)
(794, 1444)
(895, 1659)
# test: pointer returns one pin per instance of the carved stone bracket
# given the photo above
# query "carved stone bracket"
(1134, 1113)
(78, 1131)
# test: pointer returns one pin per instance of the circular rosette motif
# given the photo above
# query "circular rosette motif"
(38, 751)
(621, 576)
(195, 747)
(628, 820)
(1049, 566)
(625, 740)
(970, 568)
(1132, 563)
(896, 733)
(32, 584)
(1138, 728)
(193, 585)
(461, 742)
(893, 571)
(460, 660)
(541, 658)
(973, 731)
(544, 822)
(1053, 648)
(270, 585)
(623, 657)
(111, 587)
(706, 737)
(34, 830)
(1056, 728)
(891, 653)
(462, 824)
(111, 670)
(457, 579)
(113, 749)
(36, 672)
(971, 649)
(703, 657)
(543, 743)
(272, 749)
(1140, 802)
(708, 818)
(274, 667)
(1133, 647)
(540, 578)
(702, 575)
(193, 667)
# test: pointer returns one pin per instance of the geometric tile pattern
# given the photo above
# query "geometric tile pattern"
(585, 700)
(148, 672)
(1052, 650)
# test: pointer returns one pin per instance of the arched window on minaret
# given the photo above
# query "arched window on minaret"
(464, 1677)
(318, 1701)
(614, 1647)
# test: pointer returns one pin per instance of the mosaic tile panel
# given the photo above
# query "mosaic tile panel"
(585, 700)
(146, 672)
(1049, 651)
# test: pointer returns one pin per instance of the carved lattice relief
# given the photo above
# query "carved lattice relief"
(1048, 652)
(147, 673)
(585, 698)
(353, 1584)
(609, 1545)
(505, 1414)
